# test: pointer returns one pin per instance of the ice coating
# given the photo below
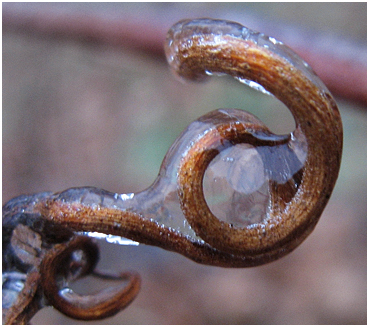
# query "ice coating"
(182, 34)
(237, 183)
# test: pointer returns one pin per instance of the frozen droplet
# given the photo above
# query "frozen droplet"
(236, 190)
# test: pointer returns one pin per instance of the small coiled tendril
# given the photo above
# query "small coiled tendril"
(273, 188)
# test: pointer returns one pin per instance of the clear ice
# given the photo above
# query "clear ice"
(236, 184)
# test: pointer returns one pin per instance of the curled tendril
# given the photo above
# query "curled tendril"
(40, 260)
(74, 259)
(277, 185)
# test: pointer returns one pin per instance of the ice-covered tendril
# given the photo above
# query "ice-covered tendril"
(229, 192)
(198, 47)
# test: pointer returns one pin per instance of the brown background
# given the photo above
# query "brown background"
(89, 100)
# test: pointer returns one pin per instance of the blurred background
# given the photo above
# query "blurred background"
(88, 100)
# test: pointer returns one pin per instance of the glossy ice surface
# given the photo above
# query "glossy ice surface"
(237, 184)
(181, 35)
